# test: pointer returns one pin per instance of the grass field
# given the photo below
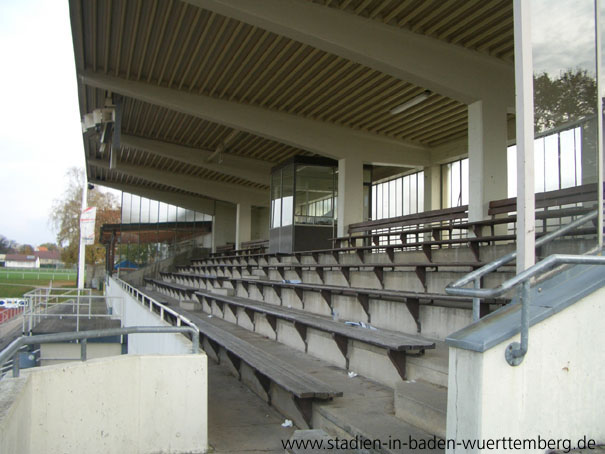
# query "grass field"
(15, 287)
(36, 274)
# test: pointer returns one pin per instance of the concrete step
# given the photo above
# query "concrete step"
(423, 405)
(317, 441)
(432, 367)
(365, 411)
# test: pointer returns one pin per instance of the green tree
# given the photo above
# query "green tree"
(567, 98)
(65, 218)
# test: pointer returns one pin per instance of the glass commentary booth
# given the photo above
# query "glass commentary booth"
(303, 204)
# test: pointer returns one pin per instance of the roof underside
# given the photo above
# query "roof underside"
(176, 45)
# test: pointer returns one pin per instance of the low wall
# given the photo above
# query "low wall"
(555, 393)
(111, 405)
(133, 313)
(61, 352)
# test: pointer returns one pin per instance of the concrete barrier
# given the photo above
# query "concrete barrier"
(134, 404)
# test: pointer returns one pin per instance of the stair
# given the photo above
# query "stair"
(423, 405)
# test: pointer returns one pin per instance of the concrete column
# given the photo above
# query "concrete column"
(243, 224)
(223, 224)
(487, 133)
(350, 193)
(432, 188)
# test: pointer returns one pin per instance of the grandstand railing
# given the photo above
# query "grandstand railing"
(516, 351)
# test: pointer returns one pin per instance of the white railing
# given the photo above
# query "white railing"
(48, 302)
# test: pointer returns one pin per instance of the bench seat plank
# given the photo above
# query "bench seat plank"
(381, 338)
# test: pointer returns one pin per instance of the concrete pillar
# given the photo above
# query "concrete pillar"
(223, 224)
(487, 133)
(432, 188)
(350, 193)
(243, 224)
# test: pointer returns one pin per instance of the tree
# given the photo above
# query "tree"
(26, 249)
(567, 98)
(65, 218)
(49, 246)
(6, 246)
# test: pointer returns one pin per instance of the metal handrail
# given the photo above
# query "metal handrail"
(14, 346)
(515, 352)
(163, 309)
(492, 266)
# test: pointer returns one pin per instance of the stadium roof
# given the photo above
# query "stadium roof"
(216, 92)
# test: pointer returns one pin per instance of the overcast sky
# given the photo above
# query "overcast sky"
(40, 134)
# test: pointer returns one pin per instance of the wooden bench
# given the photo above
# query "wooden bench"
(302, 388)
(412, 300)
(239, 258)
(420, 269)
(397, 345)
(251, 247)
(194, 279)
(172, 289)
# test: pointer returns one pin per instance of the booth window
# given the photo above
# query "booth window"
(314, 195)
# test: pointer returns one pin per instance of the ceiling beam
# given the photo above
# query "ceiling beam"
(318, 137)
(447, 69)
(253, 170)
(200, 204)
(208, 188)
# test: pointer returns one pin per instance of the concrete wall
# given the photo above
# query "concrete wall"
(113, 405)
(556, 392)
(133, 313)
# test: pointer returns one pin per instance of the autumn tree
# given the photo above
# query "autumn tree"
(65, 218)
(26, 249)
(49, 246)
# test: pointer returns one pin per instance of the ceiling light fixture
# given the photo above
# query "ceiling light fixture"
(411, 103)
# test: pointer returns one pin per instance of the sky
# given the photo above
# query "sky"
(563, 36)
(40, 135)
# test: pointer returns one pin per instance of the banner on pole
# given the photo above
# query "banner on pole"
(87, 225)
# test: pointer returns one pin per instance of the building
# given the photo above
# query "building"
(49, 259)
(21, 261)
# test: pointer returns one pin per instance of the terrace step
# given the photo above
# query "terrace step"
(365, 409)
(423, 405)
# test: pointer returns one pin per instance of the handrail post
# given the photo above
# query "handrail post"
(515, 352)
(83, 344)
(16, 365)
(477, 302)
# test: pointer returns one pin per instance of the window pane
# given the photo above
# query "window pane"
(551, 162)
(420, 191)
(392, 198)
(539, 164)
(455, 184)
(413, 194)
(465, 181)
(399, 198)
(568, 159)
